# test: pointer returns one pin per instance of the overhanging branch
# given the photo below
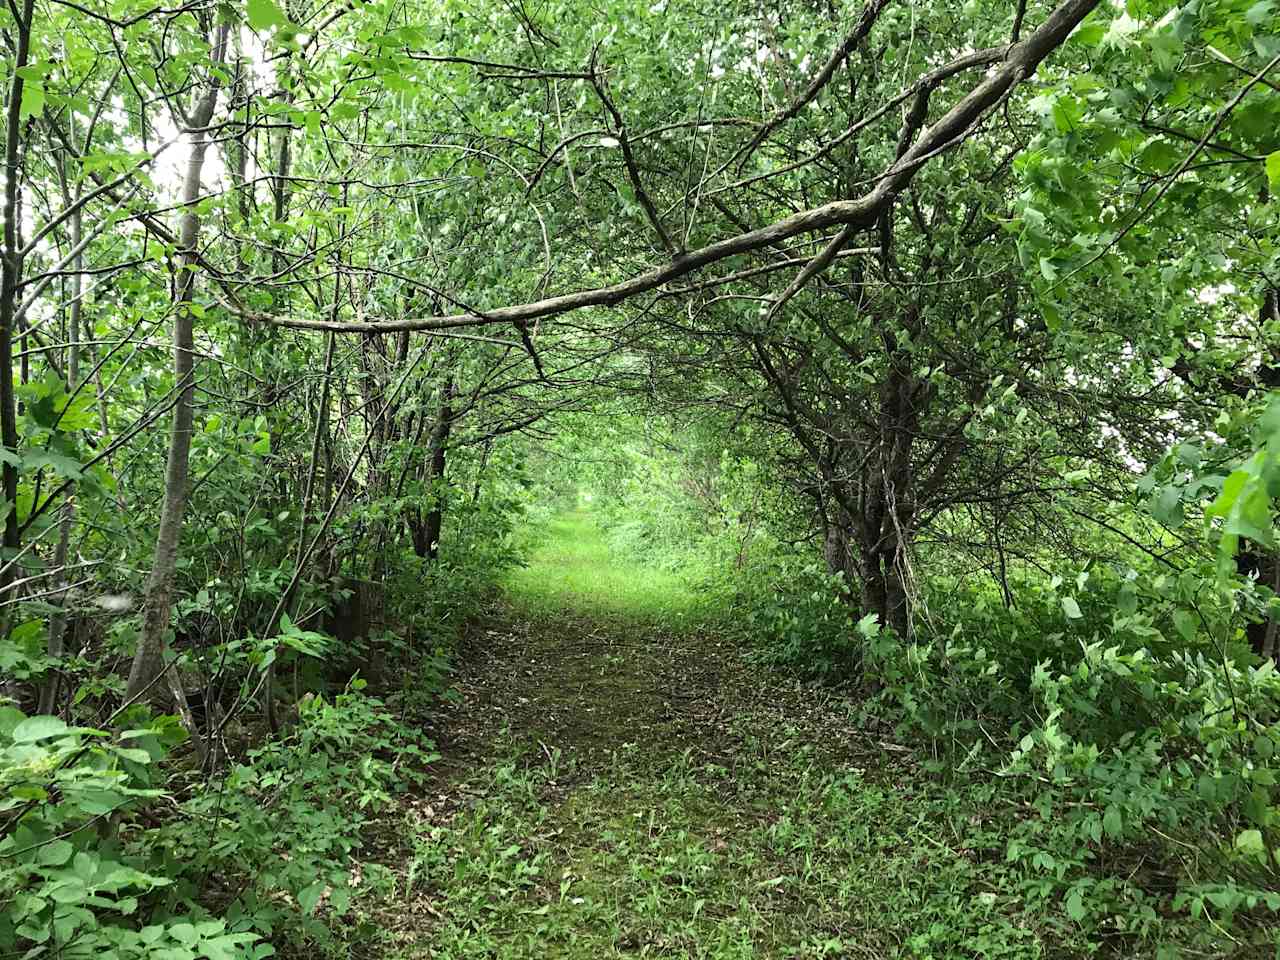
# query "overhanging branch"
(853, 215)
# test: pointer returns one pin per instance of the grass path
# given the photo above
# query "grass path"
(617, 783)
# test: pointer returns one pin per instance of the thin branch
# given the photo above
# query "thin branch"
(870, 13)
(633, 171)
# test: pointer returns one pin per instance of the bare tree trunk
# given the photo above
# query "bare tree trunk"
(836, 546)
(148, 661)
(10, 273)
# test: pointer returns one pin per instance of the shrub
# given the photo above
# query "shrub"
(68, 887)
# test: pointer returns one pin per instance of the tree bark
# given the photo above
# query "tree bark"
(837, 546)
(427, 535)
(58, 622)
(148, 660)
(10, 274)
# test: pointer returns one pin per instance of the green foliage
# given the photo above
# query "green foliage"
(22, 652)
(278, 831)
(797, 616)
(1114, 710)
(908, 473)
(67, 887)
(282, 827)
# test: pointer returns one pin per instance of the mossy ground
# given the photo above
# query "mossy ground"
(618, 783)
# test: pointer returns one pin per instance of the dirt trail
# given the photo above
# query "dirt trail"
(616, 786)
(594, 749)
(577, 688)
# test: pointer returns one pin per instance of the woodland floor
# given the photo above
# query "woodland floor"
(617, 782)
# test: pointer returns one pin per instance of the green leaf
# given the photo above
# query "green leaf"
(1185, 624)
(1071, 608)
(1264, 747)
(1090, 34)
(134, 754)
(1249, 842)
(62, 466)
(1273, 170)
(1075, 906)
(225, 947)
(32, 100)
(38, 728)
(265, 14)
(69, 891)
(309, 897)
(1127, 600)
(1231, 489)
(1260, 12)
(10, 717)
(1112, 821)
(1052, 316)
(85, 865)
(55, 854)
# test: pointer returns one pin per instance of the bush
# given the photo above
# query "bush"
(83, 875)
(1142, 760)
(794, 616)
(68, 887)
(287, 820)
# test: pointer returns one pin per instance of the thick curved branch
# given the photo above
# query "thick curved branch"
(857, 214)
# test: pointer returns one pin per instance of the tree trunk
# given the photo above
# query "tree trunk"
(1252, 558)
(837, 547)
(10, 273)
(1268, 650)
(426, 536)
(148, 661)
(58, 622)
(884, 589)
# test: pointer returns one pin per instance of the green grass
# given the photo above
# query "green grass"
(625, 785)
(572, 572)
(777, 856)
(641, 792)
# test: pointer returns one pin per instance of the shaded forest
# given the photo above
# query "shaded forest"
(512, 479)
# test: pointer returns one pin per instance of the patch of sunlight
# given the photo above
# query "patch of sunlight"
(571, 570)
